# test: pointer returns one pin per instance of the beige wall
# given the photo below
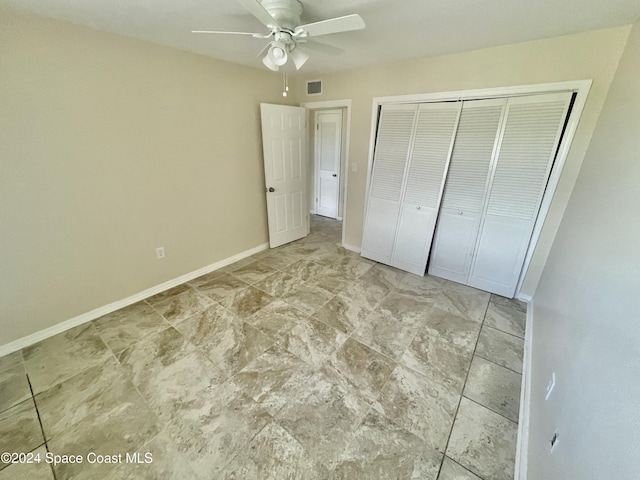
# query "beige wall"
(109, 148)
(586, 313)
(592, 55)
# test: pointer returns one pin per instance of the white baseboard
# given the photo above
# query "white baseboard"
(525, 397)
(524, 297)
(112, 307)
(353, 248)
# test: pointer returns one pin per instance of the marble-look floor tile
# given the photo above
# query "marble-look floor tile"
(483, 442)
(19, 429)
(274, 454)
(264, 377)
(129, 325)
(278, 284)
(423, 407)
(366, 293)
(253, 272)
(455, 329)
(438, 359)
(70, 401)
(221, 287)
(385, 334)
(167, 463)
(305, 269)
(344, 313)
(350, 267)
(384, 277)
(239, 264)
(119, 426)
(183, 305)
(506, 315)
(308, 298)
(330, 281)
(380, 449)
(213, 436)
(245, 303)
(59, 357)
(322, 415)
(312, 341)
(14, 387)
(167, 294)
(173, 376)
(276, 319)
(494, 387)
(446, 295)
(366, 369)
(204, 279)
(501, 348)
(276, 259)
(409, 309)
(225, 339)
(452, 471)
(38, 470)
(10, 361)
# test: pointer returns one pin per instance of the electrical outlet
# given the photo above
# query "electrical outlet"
(160, 253)
(550, 386)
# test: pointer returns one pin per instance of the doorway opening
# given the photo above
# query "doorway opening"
(328, 134)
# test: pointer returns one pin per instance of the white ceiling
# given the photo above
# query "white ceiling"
(396, 29)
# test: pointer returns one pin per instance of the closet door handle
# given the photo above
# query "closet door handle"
(418, 207)
(460, 212)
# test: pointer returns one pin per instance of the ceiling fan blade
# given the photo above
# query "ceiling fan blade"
(333, 25)
(260, 13)
(320, 47)
(256, 35)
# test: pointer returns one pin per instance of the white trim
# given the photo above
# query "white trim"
(522, 446)
(345, 103)
(580, 87)
(353, 248)
(112, 307)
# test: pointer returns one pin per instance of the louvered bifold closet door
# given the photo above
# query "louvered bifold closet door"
(395, 132)
(427, 167)
(527, 148)
(465, 189)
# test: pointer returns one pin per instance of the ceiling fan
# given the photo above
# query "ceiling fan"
(282, 17)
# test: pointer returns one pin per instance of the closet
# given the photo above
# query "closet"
(478, 170)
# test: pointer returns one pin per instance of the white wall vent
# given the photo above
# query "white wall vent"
(314, 87)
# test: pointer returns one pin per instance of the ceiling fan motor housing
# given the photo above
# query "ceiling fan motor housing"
(285, 12)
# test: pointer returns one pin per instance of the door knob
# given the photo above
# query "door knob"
(271, 189)
(335, 174)
(418, 207)
(460, 212)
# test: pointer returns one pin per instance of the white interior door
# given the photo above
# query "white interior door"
(284, 147)
(328, 148)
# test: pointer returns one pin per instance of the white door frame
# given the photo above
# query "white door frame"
(580, 87)
(346, 132)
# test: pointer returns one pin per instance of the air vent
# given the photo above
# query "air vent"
(314, 87)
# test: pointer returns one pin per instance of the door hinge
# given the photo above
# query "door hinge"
(317, 126)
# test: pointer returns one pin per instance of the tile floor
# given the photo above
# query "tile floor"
(303, 362)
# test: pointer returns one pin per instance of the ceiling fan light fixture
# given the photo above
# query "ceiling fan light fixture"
(277, 53)
(269, 64)
(299, 58)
